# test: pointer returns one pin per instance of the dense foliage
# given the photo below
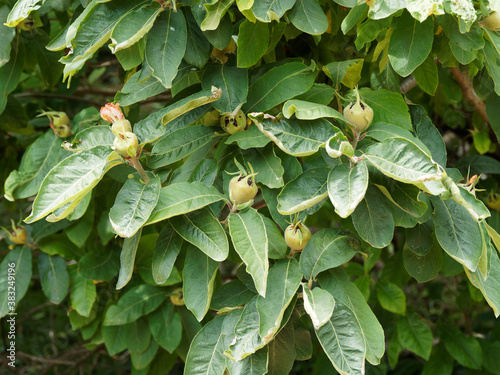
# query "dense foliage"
(251, 186)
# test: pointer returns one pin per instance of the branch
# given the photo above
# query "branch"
(408, 84)
(465, 84)
(54, 361)
(58, 96)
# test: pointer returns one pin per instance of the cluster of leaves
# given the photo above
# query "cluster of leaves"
(388, 212)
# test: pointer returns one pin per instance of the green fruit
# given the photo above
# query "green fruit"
(121, 127)
(177, 298)
(297, 236)
(242, 189)
(126, 145)
(359, 115)
(233, 124)
(492, 21)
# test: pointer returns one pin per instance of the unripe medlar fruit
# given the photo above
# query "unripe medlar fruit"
(177, 298)
(297, 236)
(121, 127)
(242, 189)
(18, 235)
(359, 114)
(492, 21)
(233, 124)
(126, 145)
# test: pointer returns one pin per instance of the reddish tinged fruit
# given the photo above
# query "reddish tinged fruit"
(297, 236)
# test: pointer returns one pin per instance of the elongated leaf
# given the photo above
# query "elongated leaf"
(137, 88)
(72, 177)
(20, 260)
(206, 353)
(7, 34)
(277, 245)
(94, 30)
(319, 304)
(457, 232)
(337, 283)
(304, 191)
(327, 249)
(54, 277)
(21, 11)
(166, 327)
(440, 361)
(346, 72)
(204, 231)
(193, 101)
(167, 247)
(233, 83)
(410, 44)
(388, 107)
(415, 335)
(133, 27)
(283, 281)
(246, 334)
(179, 144)
(254, 364)
(83, 292)
(295, 137)
(198, 276)
(127, 259)
(282, 351)
(230, 295)
(253, 39)
(342, 341)
(373, 219)
(133, 205)
(320, 93)
(423, 267)
(166, 45)
(214, 13)
(347, 187)
(279, 84)
(269, 10)
(307, 16)
(10, 74)
(100, 265)
(403, 161)
(198, 48)
(391, 297)
(466, 350)
(265, 161)
(91, 137)
(304, 110)
(404, 196)
(248, 234)
(183, 197)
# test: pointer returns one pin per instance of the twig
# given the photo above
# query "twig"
(83, 359)
(465, 84)
(53, 362)
(408, 84)
(58, 96)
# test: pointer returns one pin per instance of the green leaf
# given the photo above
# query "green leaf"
(277, 245)
(138, 87)
(405, 196)
(127, 259)
(490, 61)
(183, 197)
(203, 230)
(303, 344)
(388, 107)
(391, 297)
(20, 260)
(206, 353)
(132, 56)
(250, 138)
(429, 134)
(283, 281)
(304, 191)
(347, 187)
(403, 161)
(72, 177)
(309, 111)
(319, 304)
(338, 284)
(248, 234)
(269, 10)
(419, 239)
(457, 232)
(10, 73)
(279, 84)
(373, 219)
(198, 48)
(231, 295)
(489, 287)
(282, 352)
(114, 338)
(440, 362)
(462, 55)
(246, 334)
(166, 327)
(308, 16)
(94, 30)
(136, 302)
(319, 93)
(133, 205)
(191, 102)
(327, 249)
(466, 350)
(423, 267)
(141, 360)
(254, 364)
(265, 161)
(472, 40)
(179, 144)
(382, 9)
(166, 45)
(214, 12)
(347, 72)
(415, 335)
(253, 40)
(131, 28)
(21, 11)
(137, 337)
(90, 137)
(426, 75)
(293, 136)
(54, 277)
(6, 34)
(100, 265)
(83, 292)
(410, 44)
(198, 276)
(233, 83)
(167, 247)
(342, 341)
